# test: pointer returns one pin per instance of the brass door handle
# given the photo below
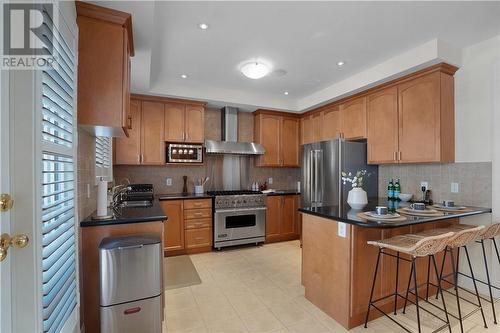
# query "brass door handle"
(6, 202)
(18, 241)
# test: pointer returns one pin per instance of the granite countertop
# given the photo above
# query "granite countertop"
(345, 214)
(284, 192)
(129, 215)
(183, 196)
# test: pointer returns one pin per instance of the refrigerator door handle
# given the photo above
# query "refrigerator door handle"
(316, 176)
(310, 173)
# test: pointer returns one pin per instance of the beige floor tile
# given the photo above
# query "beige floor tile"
(180, 300)
(216, 310)
(261, 321)
(245, 302)
(227, 325)
(183, 320)
(310, 325)
(289, 313)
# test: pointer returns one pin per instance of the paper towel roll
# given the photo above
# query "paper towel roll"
(102, 198)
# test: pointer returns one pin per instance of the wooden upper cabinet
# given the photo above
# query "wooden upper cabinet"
(128, 150)
(383, 126)
(174, 227)
(426, 119)
(317, 127)
(268, 134)
(332, 126)
(278, 133)
(174, 122)
(306, 130)
(153, 143)
(290, 142)
(105, 45)
(195, 123)
(353, 118)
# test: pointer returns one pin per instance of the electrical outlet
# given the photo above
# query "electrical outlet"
(454, 188)
(342, 229)
(270, 180)
(169, 181)
(424, 184)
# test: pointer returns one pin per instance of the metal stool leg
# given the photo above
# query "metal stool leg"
(496, 249)
(441, 272)
(397, 280)
(428, 278)
(456, 289)
(408, 289)
(373, 287)
(489, 283)
(475, 286)
(440, 291)
(414, 265)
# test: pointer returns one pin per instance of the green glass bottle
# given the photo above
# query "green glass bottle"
(397, 190)
(390, 190)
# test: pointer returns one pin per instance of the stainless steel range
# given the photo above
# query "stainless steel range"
(240, 218)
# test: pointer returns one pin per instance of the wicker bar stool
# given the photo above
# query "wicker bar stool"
(463, 235)
(416, 246)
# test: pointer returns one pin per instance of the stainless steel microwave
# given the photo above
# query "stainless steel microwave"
(184, 153)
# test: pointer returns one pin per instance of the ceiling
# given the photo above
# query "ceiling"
(306, 39)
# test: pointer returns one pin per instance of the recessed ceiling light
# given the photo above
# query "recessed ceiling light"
(184, 76)
(203, 26)
(286, 93)
(340, 63)
(254, 70)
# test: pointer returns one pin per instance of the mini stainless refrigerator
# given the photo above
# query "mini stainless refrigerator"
(131, 284)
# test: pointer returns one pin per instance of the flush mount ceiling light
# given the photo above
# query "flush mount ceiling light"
(286, 93)
(340, 63)
(254, 70)
(203, 26)
(184, 76)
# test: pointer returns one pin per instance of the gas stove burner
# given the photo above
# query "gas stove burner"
(234, 192)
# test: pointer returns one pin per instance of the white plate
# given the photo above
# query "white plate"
(422, 211)
(450, 208)
(386, 216)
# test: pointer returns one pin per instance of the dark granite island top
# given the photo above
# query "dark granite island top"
(124, 215)
(183, 196)
(345, 214)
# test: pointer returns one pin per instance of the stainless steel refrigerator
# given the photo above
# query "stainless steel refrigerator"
(322, 164)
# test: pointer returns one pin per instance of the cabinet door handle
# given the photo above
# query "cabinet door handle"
(399, 156)
(198, 214)
(129, 122)
(138, 158)
(199, 238)
(395, 156)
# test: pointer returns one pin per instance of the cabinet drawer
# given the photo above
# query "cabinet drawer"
(198, 238)
(197, 213)
(197, 223)
(198, 203)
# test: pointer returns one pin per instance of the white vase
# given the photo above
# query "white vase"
(357, 198)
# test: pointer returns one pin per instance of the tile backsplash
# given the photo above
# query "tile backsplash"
(86, 174)
(474, 181)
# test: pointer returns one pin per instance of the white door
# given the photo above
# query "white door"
(38, 283)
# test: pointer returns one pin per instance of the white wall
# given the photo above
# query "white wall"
(477, 132)
(474, 101)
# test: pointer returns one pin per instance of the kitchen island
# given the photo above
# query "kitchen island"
(124, 221)
(338, 264)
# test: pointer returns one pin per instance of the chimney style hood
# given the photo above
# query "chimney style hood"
(229, 143)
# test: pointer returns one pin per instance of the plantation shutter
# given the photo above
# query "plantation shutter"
(59, 283)
(103, 158)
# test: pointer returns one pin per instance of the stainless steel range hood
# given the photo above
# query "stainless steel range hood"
(229, 143)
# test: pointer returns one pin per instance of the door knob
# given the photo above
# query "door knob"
(18, 241)
(6, 202)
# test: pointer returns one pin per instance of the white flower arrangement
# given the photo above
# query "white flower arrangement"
(355, 180)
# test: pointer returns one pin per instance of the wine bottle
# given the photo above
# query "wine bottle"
(390, 190)
(397, 190)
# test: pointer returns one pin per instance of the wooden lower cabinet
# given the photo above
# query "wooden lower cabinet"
(350, 262)
(282, 218)
(188, 228)
(90, 238)
(174, 226)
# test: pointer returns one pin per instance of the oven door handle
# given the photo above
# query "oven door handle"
(234, 210)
